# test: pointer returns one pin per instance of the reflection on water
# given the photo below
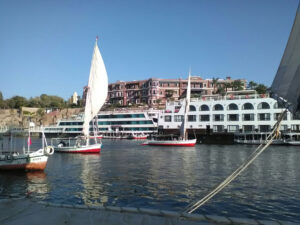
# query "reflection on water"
(128, 174)
(19, 184)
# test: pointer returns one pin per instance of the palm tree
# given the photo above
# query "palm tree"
(214, 83)
(252, 85)
(237, 85)
(226, 86)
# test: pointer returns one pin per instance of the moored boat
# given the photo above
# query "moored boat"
(291, 138)
(95, 98)
(137, 136)
(27, 161)
(182, 140)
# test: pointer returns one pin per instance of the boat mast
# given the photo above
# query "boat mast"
(187, 105)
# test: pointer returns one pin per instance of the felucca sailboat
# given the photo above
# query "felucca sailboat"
(95, 98)
(182, 140)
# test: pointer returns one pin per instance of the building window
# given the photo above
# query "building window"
(204, 108)
(264, 128)
(232, 106)
(277, 115)
(283, 127)
(295, 117)
(295, 127)
(263, 105)
(178, 118)
(233, 117)
(233, 128)
(218, 128)
(278, 105)
(248, 117)
(248, 128)
(204, 117)
(168, 118)
(192, 108)
(192, 118)
(218, 107)
(218, 117)
(264, 116)
(248, 106)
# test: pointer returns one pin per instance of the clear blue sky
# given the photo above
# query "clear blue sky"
(46, 46)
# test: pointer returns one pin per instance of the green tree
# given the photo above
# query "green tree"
(35, 102)
(261, 89)
(17, 101)
(252, 85)
(227, 85)
(237, 85)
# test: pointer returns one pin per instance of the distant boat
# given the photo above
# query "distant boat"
(171, 140)
(137, 136)
(27, 161)
(95, 98)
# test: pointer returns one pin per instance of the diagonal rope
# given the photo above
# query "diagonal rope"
(275, 132)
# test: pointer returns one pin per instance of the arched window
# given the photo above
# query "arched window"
(204, 108)
(218, 107)
(263, 105)
(192, 108)
(248, 106)
(232, 106)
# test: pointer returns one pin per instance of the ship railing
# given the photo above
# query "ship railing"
(220, 98)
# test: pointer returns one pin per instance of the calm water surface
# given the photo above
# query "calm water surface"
(129, 174)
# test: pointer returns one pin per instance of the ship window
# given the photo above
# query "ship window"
(218, 107)
(192, 108)
(232, 106)
(263, 105)
(204, 108)
(248, 106)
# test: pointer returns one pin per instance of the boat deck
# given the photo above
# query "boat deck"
(27, 211)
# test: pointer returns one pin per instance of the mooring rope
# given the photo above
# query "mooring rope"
(275, 132)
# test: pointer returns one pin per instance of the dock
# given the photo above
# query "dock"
(19, 211)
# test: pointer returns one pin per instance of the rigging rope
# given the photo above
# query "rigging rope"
(275, 132)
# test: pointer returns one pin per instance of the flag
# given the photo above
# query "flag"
(29, 141)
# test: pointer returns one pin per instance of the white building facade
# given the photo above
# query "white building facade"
(231, 113)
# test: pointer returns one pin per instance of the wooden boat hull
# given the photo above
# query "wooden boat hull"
(96, 148)
(179, 143)
(32, 161)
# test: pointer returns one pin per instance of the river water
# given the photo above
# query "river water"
(129, 174)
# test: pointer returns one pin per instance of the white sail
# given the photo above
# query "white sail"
(187, 106)
(97, 89)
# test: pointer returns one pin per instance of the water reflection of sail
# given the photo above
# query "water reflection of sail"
(91, 193)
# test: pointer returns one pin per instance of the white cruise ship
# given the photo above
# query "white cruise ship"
(233, 113)
(112, 124)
